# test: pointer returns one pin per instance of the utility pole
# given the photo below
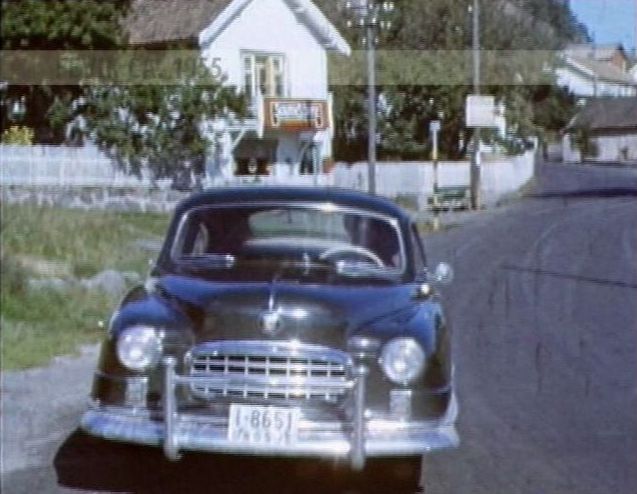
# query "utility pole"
(434, 128)
(367, 14)
(475, 157)
(371, 107)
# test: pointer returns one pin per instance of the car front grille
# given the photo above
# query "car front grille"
(268, 370)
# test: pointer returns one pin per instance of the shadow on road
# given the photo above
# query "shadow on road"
(600, 193)
(91, 464)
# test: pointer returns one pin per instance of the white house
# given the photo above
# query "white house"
(609, 125)
(596, 71)
(275, 52)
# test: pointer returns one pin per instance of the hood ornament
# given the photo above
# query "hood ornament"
(270, 322)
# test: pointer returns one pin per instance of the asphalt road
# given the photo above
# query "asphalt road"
(545, 314)
(544, 309)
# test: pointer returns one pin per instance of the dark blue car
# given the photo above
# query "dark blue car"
(282, 321)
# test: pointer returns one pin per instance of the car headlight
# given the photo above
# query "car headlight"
(402, 360)
(139, 347)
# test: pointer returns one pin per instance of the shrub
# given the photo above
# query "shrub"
(13, 276)
(18, 135)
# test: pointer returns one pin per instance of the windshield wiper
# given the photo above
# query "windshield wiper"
(209, 261)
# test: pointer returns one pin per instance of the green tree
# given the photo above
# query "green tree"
(439, 80)
(53, 25)
(157, 126)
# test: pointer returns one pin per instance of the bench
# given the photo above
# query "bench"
(449, 198)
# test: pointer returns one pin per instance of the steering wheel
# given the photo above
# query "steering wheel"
(352, 249)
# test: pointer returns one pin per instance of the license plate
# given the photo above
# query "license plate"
(273, 426)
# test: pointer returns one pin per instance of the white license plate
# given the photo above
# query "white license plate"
(274, 426)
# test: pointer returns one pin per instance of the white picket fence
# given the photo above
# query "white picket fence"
(83, 166)
(500, 176)
(88, 167)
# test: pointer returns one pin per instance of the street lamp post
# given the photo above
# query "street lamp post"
(366, 14)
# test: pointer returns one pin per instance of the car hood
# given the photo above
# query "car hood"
(282, 310)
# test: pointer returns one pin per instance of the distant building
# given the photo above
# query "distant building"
(275, 52)
(596, 71)
(610, 127)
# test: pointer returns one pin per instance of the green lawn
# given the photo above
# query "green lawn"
(39, 242)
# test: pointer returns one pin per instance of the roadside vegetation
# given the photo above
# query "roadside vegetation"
(40, 243)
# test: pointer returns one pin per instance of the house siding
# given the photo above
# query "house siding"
(269, 26)
(617, 147)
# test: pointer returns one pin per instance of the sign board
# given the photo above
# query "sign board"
(434, 126)
(295, 114)
(480, 111)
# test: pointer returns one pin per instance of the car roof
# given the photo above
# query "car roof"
(344, 197)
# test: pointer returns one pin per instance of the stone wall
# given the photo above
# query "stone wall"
(107, 198)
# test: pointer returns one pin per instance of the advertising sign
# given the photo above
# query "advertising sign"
(295, 114)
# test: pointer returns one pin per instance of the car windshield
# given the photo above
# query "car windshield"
(350, 242)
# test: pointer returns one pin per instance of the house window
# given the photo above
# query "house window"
(264, 73)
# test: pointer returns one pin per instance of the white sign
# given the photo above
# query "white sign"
(434, 126)
(480, 111)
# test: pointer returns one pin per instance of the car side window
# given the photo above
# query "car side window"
(200, 244)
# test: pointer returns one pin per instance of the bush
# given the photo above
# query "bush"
(13, 276)
(585, 143)
(18, 135)
(407, 201)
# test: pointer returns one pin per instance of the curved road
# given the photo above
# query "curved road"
(545, 315)
(544, 310)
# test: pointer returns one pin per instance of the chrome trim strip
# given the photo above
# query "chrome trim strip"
(259, 347)
(328, 440)
(317, 383)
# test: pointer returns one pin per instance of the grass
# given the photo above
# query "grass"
(39, 242)
(85, 241)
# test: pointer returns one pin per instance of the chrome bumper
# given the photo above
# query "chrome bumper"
(354, 441)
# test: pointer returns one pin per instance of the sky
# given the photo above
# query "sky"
(610, 21)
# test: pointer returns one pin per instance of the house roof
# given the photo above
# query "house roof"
(160, 21)
(603, 71)
(201, 21)
(607, 114)
(596, 52)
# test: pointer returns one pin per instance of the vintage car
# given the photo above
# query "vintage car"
(297, 322)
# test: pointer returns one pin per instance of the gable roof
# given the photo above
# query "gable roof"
(596, 52)
(152, 22)
(162, 21)
(607, 114)
(602, 71)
